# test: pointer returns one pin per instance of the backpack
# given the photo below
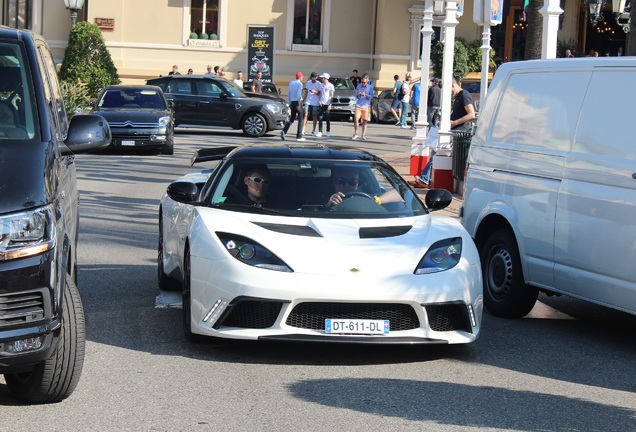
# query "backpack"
(400, 94)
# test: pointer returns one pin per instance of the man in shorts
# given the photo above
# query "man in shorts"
(396, 104)
(364, 94)
(313, 88)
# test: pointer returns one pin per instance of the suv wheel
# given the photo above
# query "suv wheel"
(254, 125)
(55, 379)
(505, 293)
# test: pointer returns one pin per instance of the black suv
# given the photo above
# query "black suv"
(202, 100)
(41, 316)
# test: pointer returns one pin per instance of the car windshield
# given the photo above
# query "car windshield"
(303, 188)
(17, 105)
(131, 98)
(341, 83)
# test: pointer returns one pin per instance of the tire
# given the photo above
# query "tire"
(254, 125)
(168, 149)
(505, 293)
(165, 282)
(55, 379)
(187, 303)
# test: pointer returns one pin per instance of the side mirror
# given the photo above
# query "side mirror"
(437, 199)
(183, 192)
(87, 132)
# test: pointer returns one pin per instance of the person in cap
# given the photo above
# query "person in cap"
(326, 96)
(313, 88)
(295, 99)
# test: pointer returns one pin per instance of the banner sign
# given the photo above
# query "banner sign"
(496, 12)
(260, 52)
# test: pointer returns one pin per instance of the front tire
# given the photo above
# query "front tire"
(165, 282)
(505, 292)
(168, 149)
(187, 303)
(55, 379)
(254, 125)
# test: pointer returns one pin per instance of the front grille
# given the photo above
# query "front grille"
(23, 307)
(256, 314)
(312, 315)
(448, 317)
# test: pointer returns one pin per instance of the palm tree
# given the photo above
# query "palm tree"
(630, 49)
(534, 31)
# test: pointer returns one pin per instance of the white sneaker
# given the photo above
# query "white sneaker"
(355, 137)
(301, 139)
(328, 134)
(282, 135)
(313, 133)
(303, 132)
(364, 138)
(319, 134)
(404, 127)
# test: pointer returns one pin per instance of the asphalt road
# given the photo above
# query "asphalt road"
(569, 366)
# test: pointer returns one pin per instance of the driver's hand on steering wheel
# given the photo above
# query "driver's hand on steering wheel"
(335, 199)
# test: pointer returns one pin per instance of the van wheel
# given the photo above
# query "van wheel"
(54, 379)
(505, 293)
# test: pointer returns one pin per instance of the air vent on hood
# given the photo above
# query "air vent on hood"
(381, 232)
(300, 230)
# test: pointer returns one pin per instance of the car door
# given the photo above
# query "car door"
(215, 108)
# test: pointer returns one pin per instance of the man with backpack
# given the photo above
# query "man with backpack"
(397, 99)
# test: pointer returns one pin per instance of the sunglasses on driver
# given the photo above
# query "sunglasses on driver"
(351, 181)
(258, 180)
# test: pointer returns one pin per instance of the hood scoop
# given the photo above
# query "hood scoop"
(299, 230)
(383, 232)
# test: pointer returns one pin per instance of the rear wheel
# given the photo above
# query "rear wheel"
(505, 293)
(254, 125)
(55, 379)
(166, 283)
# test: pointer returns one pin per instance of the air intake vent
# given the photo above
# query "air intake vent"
(21, 308)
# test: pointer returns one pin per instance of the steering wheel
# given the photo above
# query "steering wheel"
(358, 194)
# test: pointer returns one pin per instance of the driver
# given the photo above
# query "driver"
(257, 180)
(344, 180)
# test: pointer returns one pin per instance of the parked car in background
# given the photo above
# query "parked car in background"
(42, 333)
(138, 116)
(344, 98)
(201, 100)
(381, 108)
(376, 267)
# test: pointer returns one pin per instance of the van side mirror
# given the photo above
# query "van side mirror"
(86, 132)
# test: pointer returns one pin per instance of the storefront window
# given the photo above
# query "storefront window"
(204, 18)
(17, 14)
(308, 22)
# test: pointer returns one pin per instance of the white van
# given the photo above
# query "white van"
(550, 191)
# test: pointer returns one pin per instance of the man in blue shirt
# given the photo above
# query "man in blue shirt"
(415, 103)
(295, 98)
(364, 94)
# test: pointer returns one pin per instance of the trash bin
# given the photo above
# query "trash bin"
(461, 145)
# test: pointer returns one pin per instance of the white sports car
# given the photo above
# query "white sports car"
(315, 243)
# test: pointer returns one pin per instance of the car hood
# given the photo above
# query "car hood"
(113, 115)
(24, 173)
(263, 96)
(336, 246)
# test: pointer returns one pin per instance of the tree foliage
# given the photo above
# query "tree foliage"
(87, 59)
(76, 97)
(460, 62)
(534, 33)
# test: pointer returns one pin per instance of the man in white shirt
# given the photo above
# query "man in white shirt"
(326, 96)
(238, 81)
(313, 88)
(406, 90)
(295, 98)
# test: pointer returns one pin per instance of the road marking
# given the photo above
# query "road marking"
(168, 300)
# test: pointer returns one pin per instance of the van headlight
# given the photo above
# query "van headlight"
(27, 233)
(164, 121)
(442, 255)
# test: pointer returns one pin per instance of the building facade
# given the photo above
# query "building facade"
(382, 37)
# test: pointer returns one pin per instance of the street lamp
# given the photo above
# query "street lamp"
(595, 8)
(73, 6)
(622, 10)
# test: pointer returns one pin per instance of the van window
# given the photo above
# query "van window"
(17, 105)
(615, 114)
(540, 109)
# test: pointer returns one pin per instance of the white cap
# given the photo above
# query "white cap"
(325, 75)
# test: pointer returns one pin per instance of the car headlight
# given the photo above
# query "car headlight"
(352, 101)
(442, 255)
(251, 253)
(274, 108)
(164, 121)
(26, 233)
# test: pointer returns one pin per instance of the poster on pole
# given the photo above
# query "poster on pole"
(260, 52)
(496, 12)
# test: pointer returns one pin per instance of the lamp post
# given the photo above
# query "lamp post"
(73, 6)
(595, 10)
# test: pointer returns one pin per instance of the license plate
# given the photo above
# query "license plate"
(357, 326)
(128, 143)
(337, 107)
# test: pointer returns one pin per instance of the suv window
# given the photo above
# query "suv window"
(180, 87)
(208, 88)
